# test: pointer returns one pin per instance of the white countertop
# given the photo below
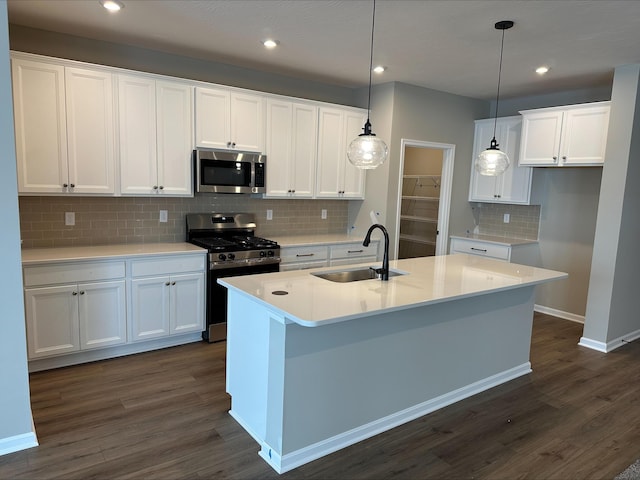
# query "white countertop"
(317, 239)
(32, 256)
(313, 301)
(509, 241)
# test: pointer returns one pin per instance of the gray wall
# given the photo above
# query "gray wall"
(82, 49)
(15, 409)
(568, 199)
(612, 309)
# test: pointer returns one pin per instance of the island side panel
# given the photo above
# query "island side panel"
(343, 376)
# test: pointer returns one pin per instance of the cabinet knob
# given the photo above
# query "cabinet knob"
(82, 292)
(233, 144)
(555, 158)
(293, 191)
(161, 187)
(173, 283)
(65, 185)
(564, 157)
(155, 187)
(72, 185)
(74, 293)
(167, 284)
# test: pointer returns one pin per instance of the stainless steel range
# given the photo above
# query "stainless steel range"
(233, 250)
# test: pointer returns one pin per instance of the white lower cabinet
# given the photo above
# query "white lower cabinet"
(64, 317)
(526, 253)
(324, 255)
(167, 297)
(97, 309)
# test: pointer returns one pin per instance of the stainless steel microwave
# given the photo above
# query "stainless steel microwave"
(228, 171)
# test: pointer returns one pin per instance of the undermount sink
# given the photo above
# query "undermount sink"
(354, 275)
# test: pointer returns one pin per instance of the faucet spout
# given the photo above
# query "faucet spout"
(385, 259)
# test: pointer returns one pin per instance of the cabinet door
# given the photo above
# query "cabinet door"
(137, 128)
(278, 146)
(40, 123)
(247, 122)
(103, 319)
(514, 185)
(150, 307)
(52, 320)
(331, 148)
(175, 138)
(584, 136)
(187, 303)
(213, 110)
(304, 149)
(540, 143)
(90, 131)
(353, 177)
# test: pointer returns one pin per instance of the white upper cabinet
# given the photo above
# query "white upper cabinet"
(336, 176)
(155, 126)
(64, 128)
(565, 136)
(292, 130)
(514, 185)
(229, 119)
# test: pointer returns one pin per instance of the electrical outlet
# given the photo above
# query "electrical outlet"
(269, 214)
(507, 218)
(69, 218)
(164, 216)
(323, 214)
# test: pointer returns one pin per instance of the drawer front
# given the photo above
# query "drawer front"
(303, 254)
(348, 261)
(354, 250)
(484, 249)
(72, 272)
(168, 265)
(287, 267)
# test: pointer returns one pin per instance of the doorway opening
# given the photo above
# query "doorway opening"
(424, 199)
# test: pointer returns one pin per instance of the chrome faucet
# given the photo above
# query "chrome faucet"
(384, 271)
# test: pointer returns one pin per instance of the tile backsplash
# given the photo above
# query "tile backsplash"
(110, 220)
(524, 220)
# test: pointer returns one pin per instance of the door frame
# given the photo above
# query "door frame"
(446, 181)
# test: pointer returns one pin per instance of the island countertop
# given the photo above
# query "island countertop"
(312, 301)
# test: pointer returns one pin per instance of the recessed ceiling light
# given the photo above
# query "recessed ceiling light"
(270, 43)
(379, 69)
(542, 70)
(112, 5)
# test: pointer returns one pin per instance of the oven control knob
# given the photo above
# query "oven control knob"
(231, 256)
(270, 253)
(263, 253)
(222, 256)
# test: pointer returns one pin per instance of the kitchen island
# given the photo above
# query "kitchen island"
(314, 366)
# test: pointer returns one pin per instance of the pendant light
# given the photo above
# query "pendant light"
(492, 161)
(368, 151)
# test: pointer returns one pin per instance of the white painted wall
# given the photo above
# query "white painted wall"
(16, 426)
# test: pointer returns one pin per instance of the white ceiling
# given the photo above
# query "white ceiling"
(448, 45)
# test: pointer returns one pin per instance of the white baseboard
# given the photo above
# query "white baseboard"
(611, 344)
(18, 442)
(289, 461)
(559, 313)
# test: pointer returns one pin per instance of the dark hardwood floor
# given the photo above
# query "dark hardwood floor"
(163, 415)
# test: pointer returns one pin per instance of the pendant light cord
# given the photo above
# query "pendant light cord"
(495, 123)
(373, 24)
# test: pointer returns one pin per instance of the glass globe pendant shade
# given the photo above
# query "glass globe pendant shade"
(492, 162)
(367, 151)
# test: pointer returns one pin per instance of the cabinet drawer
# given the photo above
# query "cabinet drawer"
(167, 265)
(287, 267)
(72, 272)
(303, 254)
(484, 249)
(353, 250)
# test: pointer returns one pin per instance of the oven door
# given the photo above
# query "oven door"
(217, 298)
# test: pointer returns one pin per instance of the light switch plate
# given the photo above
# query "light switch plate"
(164, 216)
(69, 218)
